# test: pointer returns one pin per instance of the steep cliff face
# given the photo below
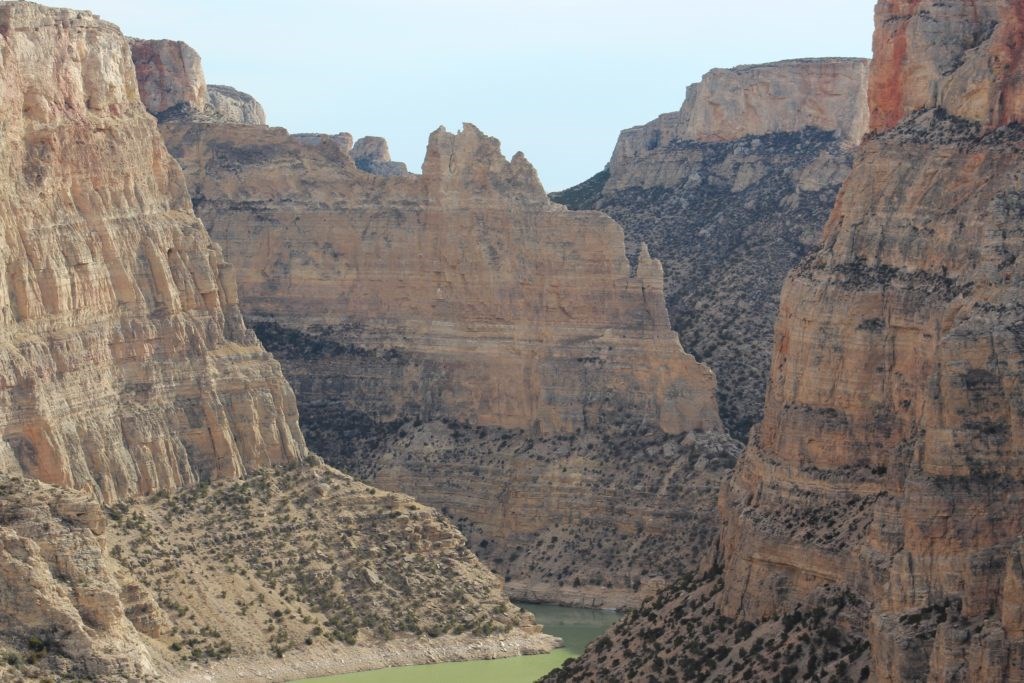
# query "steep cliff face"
(457, 336)
(730, 193)
(492, 305)
(126, 366)
(964, 57)
(172, 84)
(887, 470)
(464, 295)
(126, 370)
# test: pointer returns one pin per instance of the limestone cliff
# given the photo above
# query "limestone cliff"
(464, 295)
(126, 371)
(126, 367)
(730, 193)
(451, 333)
(371, 155)
(882, 494)
(172, 84)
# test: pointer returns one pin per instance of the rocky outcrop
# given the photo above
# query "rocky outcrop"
(730, 193)
(62, 601)
(126, 370)
(746, 101)
(886, 472)
(172, 85)
(371, 155)
(231, 106)
(170, 76)
(126, 365)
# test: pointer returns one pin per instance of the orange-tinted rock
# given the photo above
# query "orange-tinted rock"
(965, 57)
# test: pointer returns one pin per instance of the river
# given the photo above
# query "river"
(575, 626)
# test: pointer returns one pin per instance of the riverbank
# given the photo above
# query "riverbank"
(334, 658)
(575, 626)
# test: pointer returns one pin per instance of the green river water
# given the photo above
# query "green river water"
(576, 627)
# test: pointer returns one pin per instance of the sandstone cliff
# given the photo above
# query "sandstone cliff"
(232, 106)
(882, 493)
(730, 193)
(457, 336)
(488, 303)
(463, 295)
(172, 84)
(126, 370)
(126, 365)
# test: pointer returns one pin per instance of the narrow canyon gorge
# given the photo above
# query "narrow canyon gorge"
(872, 527)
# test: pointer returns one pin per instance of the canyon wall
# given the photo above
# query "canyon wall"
(489, 303)
(457, 336)
(881, 497)
(729, 193)
(140, 419)
(126, 365)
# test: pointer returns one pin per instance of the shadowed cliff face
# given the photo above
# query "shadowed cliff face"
(730, 193)
(882, 493)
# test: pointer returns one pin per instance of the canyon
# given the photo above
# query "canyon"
(141, 419)
(730, 193)
(457, 336)
(872, 527)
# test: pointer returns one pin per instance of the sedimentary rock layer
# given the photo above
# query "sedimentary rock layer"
(125, 364)
(489, 304)
(464, 295)
(887, 470)
(729, 203)
(126, 370)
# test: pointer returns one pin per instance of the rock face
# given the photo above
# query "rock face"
(231, 106)
(371, 155)
(488, 303)
(883, 490)
(172, 84)
(745, 101)
(457, 336)
(126, 370)
(60, 593)
(463, 295)
(170, 75)
(963, 57)
(730, 193)
(126, 365)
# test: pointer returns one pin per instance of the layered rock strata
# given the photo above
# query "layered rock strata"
(729, 193)
(450, 333)
(126, 370)
(126, 367)
(463, 295)
(887, 470)
(461, 292)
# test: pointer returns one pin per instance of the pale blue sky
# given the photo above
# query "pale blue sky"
(556, 79)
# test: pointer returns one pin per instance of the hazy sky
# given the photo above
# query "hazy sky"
(556, 79)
